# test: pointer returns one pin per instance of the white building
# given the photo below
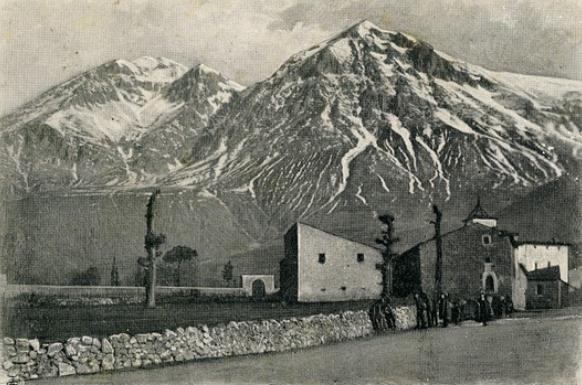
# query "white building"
(531, 256)
(539, 255)
(323, 267)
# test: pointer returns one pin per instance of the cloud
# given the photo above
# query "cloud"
(44, 42)
(528, 36)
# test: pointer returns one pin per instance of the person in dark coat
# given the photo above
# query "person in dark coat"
(377, 316)
(429, 309)
(444, 309)
(421, 312)
(388, 313)
(435, 312)
(483, 308)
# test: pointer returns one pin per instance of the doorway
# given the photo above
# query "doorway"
(258, 289)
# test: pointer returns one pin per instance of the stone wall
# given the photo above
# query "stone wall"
(108, 292)
(30, 359)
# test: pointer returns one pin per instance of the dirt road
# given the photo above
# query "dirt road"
(513, 351)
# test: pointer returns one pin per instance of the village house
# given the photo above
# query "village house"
(323, 267)
(480, 256)
(546, 289)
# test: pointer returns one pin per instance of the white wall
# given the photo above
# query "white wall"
(323, 282)
(530, 254)
(268, 280)
(485, 222)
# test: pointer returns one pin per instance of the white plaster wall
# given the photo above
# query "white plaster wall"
(519, 288)
(323, 282)
(486, 222)
(557, 255)
(268, 280)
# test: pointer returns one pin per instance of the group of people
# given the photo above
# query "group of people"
(431, 313)
(446, 310)
(382, 315)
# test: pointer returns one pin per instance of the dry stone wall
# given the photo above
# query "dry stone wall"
(29, 359)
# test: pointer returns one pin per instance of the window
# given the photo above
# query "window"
(549, 265)
(360, 257)
(539, 289)
(535, 266)
(321, 258)
(487, 259)
(343, 288)
(486, 239)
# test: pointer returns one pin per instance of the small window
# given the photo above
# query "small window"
(321, 258)
(536, 266)
(487, 259)
(343, 288)
(360, 257)
(549, 265)
(540, 289)
(486, 239)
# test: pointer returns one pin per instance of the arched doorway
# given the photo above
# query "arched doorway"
(489, 284)
(258, 289)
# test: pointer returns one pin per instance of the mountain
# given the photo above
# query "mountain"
(87, 132)
(188, 104)
(366, 122)
(372, 119)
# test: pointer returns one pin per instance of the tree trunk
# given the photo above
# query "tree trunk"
(151, 280)
(439, 252)
(151, 253)
(177, 275)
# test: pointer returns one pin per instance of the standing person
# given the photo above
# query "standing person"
(377, 316)
(444, 309)
(461, 315)
(417, 303)
(388, 314)
(421, 312)
(483, 308)
(455, 311)
(428, 307)
(435, 312)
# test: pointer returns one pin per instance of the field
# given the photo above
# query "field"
(57, 323)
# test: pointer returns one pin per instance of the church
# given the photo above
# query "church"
(480, 256)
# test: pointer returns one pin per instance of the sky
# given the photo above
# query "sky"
(45, 42)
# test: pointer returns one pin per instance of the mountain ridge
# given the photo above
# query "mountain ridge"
(365, 122)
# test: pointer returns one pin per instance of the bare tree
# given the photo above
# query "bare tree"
(387, 240)
(438, 278)
(152, 244)
(227, 273)
(114, 274)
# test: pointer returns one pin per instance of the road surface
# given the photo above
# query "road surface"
(513, 351)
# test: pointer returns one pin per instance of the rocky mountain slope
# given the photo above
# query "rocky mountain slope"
(100, 129)
(365, 122)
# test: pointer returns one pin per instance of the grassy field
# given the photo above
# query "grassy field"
(58, 323)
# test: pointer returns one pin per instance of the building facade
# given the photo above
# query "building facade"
(545, 289)
(478, 256)
(323, 267)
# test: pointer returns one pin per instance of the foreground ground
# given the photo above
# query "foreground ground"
(543, 349)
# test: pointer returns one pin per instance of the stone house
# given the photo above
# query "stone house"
(545, 289)
(322, 267)
(477, 256)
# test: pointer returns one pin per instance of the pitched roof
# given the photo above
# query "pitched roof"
(542, 243)
(551, 273)
(296, 224)
(478, 212)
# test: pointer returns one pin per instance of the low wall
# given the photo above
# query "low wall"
(11, 291)
(29, 359)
